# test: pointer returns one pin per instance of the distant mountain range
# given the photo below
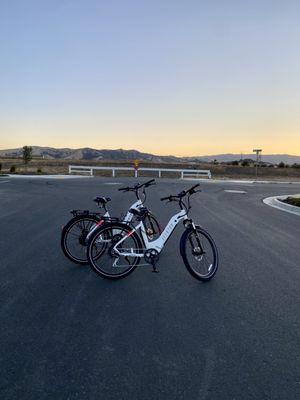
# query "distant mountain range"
(90, 154)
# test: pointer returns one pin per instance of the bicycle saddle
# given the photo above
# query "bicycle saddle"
(101, 200)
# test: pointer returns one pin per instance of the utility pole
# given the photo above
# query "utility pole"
(258, 159)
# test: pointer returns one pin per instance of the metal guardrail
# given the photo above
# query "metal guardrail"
(184, 173)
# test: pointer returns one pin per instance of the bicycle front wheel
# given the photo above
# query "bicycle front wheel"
(111, 265)
(199, 253)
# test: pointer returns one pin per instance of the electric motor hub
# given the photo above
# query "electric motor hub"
(151, 256)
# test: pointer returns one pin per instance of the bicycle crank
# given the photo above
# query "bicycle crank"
(151, 256)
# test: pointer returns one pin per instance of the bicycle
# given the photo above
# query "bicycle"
(124, 247)
(75, 234)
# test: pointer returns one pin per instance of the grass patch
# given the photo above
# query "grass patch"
(293, 201)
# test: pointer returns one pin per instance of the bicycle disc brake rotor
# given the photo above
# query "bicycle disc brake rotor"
(198, 253)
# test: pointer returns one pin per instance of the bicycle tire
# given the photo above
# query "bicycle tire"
(66, 231)
(183, 251)
(106, 230)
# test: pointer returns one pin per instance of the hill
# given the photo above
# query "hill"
(91, 154)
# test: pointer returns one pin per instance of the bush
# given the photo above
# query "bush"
(294, 201)
(245, 163)
(39, 171)
(0, 166)
(234, 162)
(13, 169)
(281, 165)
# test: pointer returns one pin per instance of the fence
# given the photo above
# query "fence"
(184, 173)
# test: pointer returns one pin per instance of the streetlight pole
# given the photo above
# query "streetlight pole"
(258, 158)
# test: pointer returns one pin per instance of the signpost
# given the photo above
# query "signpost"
(258, 159)
(136, 167)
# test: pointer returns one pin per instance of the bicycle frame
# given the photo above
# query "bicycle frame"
(156, 244)
(127, 219)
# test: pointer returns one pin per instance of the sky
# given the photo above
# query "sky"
(175, 77)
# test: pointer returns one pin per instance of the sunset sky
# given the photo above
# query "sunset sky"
(164, 76)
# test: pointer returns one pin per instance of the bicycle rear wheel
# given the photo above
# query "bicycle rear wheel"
(109, 265)
(73, 237)
(199, 253)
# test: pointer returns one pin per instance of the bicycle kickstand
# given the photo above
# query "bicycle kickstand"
(154, 268)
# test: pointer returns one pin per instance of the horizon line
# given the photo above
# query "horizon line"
(154, 154)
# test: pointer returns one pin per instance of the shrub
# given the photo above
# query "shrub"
(0, 166)
(281, 164)
(13, 169)
(39, 171)
(294, 201)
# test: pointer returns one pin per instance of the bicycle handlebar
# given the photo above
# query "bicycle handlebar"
(180, 195)
(149, 183)
(125, 189)
(138, 186)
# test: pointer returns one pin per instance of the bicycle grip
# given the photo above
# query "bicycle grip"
(193, 187)
(149, 182)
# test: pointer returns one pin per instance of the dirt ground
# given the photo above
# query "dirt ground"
(37, 166)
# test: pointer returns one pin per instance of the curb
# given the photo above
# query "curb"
(275, 202)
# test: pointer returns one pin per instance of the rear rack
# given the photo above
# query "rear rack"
(76, 213)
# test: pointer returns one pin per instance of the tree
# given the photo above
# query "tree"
(27, 154)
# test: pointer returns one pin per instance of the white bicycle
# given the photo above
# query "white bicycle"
(126, 245)
(76, 233)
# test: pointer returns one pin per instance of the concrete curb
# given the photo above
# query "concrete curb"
(275, 202)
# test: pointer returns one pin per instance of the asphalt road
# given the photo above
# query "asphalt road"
(66, 333)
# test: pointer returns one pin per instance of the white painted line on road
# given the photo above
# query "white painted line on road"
(112, 183)
(4, 181)
(235, 191)
(275, 202)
